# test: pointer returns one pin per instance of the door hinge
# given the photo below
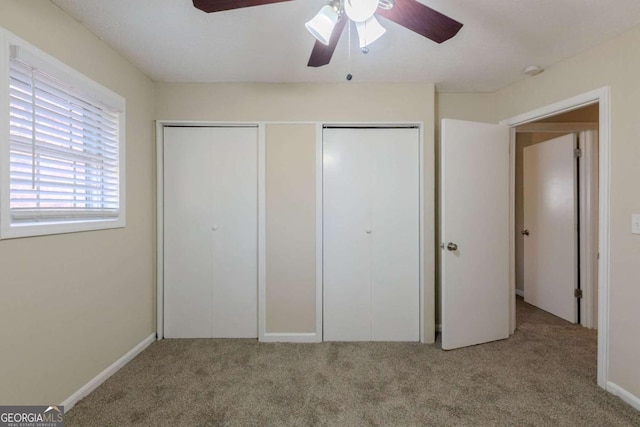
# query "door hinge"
(577, 152)
(577, 293)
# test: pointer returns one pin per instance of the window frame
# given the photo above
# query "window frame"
(79, 83)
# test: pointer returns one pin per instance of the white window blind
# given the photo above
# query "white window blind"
(64, 160)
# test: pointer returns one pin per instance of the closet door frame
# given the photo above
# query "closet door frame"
(319, 207)
(261, 125)
(160, 125)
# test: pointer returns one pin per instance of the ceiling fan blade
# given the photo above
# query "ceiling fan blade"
(422, 20)
(322, 53)
(211, 6)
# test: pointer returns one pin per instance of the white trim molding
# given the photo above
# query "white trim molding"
(422, 240)
(602, 98)
(160, 230)
(512, 231)
(520, 292)
(623, 394)
(262, 232)
(73, 83)
(421, 203)
(160, 125)
(553, 127)
(319, 235)
(95, 382)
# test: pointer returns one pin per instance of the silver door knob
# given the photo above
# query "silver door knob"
(452, 246)
(214, 228)
(525, 232)
(368, 231)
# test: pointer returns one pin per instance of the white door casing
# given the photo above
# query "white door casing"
(475, 217)
(602, 97)
(550, 226)
(371, 234)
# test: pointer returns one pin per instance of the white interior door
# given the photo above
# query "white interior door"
(210, 251)
(474, 233)
(371, 234)
(550, 226)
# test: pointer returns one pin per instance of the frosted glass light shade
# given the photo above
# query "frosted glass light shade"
(369, 31)
(321, 26)
(360, 10)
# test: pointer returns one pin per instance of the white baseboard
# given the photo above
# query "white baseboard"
(623, 394)
(104, 375)
(291, 337)
(520, 292)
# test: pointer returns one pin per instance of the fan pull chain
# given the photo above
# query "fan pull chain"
(365, 49)
(349, 75)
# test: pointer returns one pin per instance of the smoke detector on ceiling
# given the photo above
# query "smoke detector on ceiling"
(533, 70)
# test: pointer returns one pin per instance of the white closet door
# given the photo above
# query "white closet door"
(210, 250)
(187, 233)
(347, 250)
(371, 234)
(234, 230)
(395, 234)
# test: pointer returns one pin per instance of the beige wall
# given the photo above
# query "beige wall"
(72, 304)
(290, 181)
(615, 64)
(62, 330)
(477, 107)
(344, 102)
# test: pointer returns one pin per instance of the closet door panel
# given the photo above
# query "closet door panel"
(234, 233)
(346, 217)
(395, 235)
(187, 233)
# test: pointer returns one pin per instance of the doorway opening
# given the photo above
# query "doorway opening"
(601, 98)
(556, 214)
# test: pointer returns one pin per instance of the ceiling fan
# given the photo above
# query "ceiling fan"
(327, 26)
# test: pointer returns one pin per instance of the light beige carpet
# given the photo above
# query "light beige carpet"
(545, 375)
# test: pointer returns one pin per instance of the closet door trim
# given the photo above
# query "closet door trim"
(160, 125)
(421, 204)
(317, 336)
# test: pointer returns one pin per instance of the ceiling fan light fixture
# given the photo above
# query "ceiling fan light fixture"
(386, 4)
(369, 31)
(532, 70)
(360, 10)
(321, 26)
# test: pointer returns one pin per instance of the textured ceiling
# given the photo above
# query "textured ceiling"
(171, 41)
